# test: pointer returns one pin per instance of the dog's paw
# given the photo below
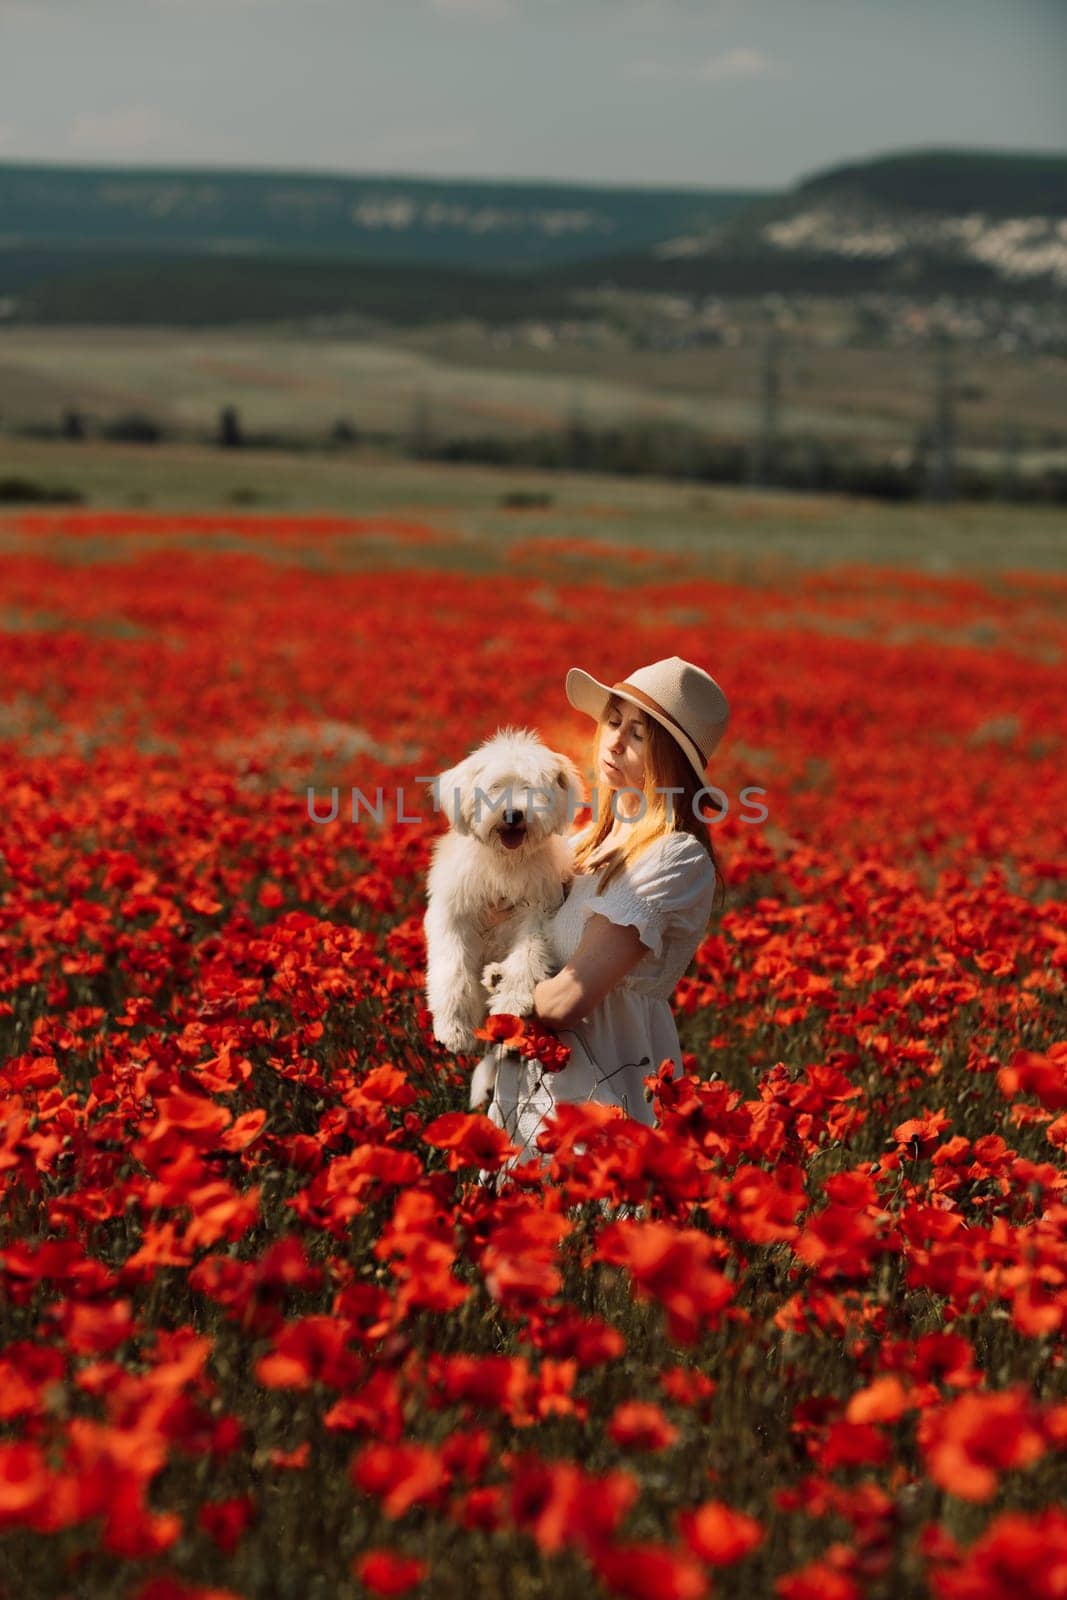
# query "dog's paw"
(509, 1002)
(455, 1036)
(505, 999)
(483, 1083)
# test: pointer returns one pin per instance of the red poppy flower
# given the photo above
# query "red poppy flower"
(503, 1029)
(558, 1503)
(971, 1441)
(840, 1242)
(1043, 1076)
(671, 1265)
(637, 1425)
(471, 1140)
(718, 1534)
(387, 1572)
(852, 1444)
(25, 1483)
(312, 1349)
(819, 1580)
(480, 1508)
(685, 1386)
(650, 1572)
(1016, 1555)
(884, 1400)
(226, 1521)
(399, 1475)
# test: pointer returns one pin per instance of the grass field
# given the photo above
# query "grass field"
(738, 531)
(263, 1333)
(468, 383)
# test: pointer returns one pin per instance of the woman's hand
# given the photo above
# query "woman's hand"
(605, 954)
(493, 916)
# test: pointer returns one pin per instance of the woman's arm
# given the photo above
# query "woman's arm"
(605, 954)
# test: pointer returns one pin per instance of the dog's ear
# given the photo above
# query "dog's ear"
(569, 780)
(449, 789)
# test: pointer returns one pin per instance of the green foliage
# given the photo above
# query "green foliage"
(200, 291)
(16, 490)
(506, 225)
(998, 182)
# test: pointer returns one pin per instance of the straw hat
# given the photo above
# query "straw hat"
(681, 697)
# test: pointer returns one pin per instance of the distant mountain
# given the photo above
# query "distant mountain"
(457, 223)
(194, 291)
(203, 247)
(922, 222)
(999, 183)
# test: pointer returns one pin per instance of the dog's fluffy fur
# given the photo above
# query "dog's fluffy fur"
(509, 805)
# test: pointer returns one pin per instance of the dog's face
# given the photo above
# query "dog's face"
(512, 793)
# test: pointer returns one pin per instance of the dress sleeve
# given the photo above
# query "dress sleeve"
(669, 887)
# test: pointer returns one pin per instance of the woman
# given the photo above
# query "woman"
(638, 907)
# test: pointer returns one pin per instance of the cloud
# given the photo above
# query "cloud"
(640, 16)
(213, 7)
(32, 11)
(730, 66)
(124, 131)
(741, 63)
(417, 144)
(475, 10)
(646, 16)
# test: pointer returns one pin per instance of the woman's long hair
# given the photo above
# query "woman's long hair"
(666, 767)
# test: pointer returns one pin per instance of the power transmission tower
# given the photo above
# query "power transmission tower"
(420, 432)
(579, 441)
(1010, 446)
(942, 477)
(765, 450)
(231, 434)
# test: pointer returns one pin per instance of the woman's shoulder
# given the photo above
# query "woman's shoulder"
(668, 862)
(680, 849)
(676, 843)
(674, 869)
(673, 852)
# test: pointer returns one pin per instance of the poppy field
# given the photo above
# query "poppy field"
(263, 1335)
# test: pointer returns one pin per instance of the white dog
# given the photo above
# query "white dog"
(508, 804)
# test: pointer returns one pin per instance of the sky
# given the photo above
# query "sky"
(690, 93)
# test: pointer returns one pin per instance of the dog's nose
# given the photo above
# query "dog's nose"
(512, 819)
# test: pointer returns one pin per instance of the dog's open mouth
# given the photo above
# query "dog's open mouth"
(512, 838)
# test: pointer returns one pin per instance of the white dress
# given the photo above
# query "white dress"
(666, 894)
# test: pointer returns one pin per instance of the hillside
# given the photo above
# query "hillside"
(922, 222)
(189, 249)
(457, 223)
(188, 291)
(997, 182)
